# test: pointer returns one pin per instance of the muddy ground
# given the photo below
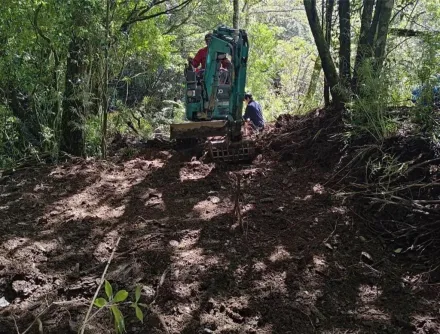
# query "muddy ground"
(298, 261)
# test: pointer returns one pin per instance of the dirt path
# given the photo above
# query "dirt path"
(299, 263)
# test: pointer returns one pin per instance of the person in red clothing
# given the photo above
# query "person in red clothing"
(200, 58)
(202, 54)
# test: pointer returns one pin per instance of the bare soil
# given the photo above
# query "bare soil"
(298, 261)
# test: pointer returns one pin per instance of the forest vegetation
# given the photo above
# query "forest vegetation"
(333, 228)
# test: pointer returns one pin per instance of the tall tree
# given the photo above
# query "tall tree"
(329, 7)
(344, 42)
(373, 36)
(105, 95)
(382, 33)
(327, 63)
(236, 15)
(74, 114)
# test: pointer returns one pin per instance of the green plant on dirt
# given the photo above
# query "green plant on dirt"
(368, 113)
(112, 303)
(383, 168)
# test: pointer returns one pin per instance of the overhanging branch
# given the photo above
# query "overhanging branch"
(141, 14)
(412, 33)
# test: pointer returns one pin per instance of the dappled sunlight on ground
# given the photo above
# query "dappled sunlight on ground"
(280, 254)
(292, 265)
(104, 248)
(273, 282)
(211, 207)
(194, 171)
(91, 202)
(319, 263)
(368, 294)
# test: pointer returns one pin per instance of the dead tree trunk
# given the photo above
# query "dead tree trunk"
(324, 52)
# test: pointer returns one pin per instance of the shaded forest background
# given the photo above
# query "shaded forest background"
(75, 73)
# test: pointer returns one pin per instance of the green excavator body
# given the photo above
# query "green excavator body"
(214, 97)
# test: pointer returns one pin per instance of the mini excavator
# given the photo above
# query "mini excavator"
(214, 99)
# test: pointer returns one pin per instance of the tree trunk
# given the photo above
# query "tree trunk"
(314, 79)
(374, 32)
(323, 50)
(382, 33)
(105, 97)
(371, 36)
(344, 43)
(73, 118)
(245, 12)
(21, 106)
(236, 15)
(367, 14)
(329, 6)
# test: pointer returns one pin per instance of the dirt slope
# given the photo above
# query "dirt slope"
(298, 262)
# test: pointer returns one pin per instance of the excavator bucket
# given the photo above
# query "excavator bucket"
(226, 151)
(202, 129)
(220, 150)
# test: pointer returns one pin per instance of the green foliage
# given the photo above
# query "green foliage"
(368, 111)
(114, 300)
(146, 59)
(286, 63)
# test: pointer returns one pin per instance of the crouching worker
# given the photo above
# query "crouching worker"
(253, 114)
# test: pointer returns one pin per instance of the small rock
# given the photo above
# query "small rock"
(326, 244)
(318, 189)
(3, 302)
(23, 287)
(148, 291)
(184, 309)
(174, 243)
(214, 199)
(207, 330)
